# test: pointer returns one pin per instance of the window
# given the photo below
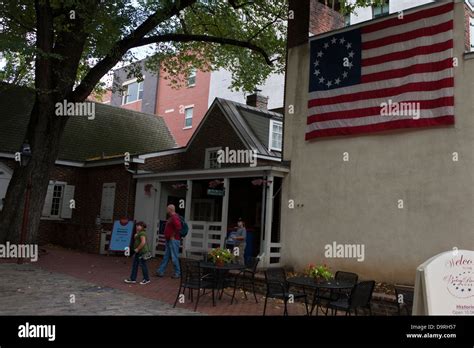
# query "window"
(58, 201)
(380, 10)
(134, 92)
(108, 201)
(188, 117)
(192, 78)
(347, 20)
(211, 161)
(276, 135)
(471, 33)
(202, 210)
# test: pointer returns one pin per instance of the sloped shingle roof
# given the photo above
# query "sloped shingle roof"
(252, 123)
(112, 132)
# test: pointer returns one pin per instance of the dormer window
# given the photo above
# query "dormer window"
(276, 135)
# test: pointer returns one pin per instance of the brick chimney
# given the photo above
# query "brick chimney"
(257, 100)
(324, 16)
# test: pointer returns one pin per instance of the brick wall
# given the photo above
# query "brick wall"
(215, 132)
(169, 98)
(323, 18)
(80, 232)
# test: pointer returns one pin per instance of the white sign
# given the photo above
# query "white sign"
(445, 284)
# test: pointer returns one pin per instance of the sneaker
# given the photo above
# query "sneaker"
(175, 276)
(159, 275)
(144, 282)
(129, 281)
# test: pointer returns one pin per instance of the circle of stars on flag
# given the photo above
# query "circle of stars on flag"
(347, 67)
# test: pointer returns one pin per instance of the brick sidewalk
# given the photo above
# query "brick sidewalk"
(110, 271)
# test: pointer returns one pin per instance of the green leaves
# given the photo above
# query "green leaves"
(246, 37)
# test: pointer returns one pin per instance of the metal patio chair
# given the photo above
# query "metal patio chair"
(278, 287)
(360, 297)
(193, 278)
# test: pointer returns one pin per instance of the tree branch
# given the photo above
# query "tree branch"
(236, 6)
(204, 38)
(122, 46)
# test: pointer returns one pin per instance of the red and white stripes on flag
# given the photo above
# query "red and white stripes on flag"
(401, 61)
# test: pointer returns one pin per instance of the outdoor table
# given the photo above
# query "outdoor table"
(308, 282)
(221, 271)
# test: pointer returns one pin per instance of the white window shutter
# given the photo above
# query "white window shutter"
(66, 211)
(48, 201)
(107, 204)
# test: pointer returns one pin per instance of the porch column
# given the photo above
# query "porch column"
(156, 215)
(187, 212)
(225, 210)
(268, 222)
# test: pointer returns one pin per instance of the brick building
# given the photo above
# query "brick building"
(90, 167)
(183, 108)
(212, 192)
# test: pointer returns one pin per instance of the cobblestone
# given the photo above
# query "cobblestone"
(28, 290)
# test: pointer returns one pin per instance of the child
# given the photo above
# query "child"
(141, 248)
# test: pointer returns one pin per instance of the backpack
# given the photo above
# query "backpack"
(184, 227)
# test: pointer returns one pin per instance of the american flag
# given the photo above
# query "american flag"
(357, 75)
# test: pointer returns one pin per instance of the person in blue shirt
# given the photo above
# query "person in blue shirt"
(237, 239)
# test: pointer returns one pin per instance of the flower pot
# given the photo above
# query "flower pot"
(220, 263)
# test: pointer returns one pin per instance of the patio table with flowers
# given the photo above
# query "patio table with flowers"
(318, 278)
(220, 262)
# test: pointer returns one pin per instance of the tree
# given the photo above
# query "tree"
(62, 49)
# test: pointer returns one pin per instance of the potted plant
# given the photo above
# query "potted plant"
(319, 273)
(220, 256)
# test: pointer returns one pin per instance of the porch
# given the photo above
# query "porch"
(212, 201)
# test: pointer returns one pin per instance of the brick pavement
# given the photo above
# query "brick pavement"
(108, 272)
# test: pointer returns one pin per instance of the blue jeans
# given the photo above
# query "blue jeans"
(172, 250)
(137, 261)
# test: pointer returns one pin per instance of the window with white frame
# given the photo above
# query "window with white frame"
(276, 135)
(380, 10)
(108, 202)
(212, 156)
(133, 92)
(188, 117)
(58, 201)
(192, 78)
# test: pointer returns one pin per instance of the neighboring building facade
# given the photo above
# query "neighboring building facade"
(363, 14)
(132, 94)
(357, 201)
(325, 15)
(184, 108)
